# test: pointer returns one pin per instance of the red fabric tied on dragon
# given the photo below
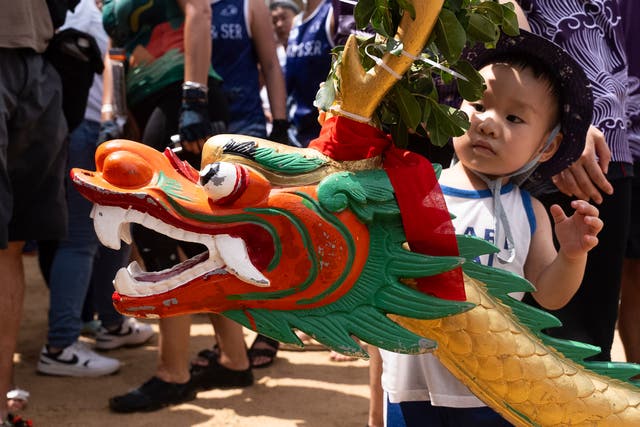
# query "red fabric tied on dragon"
(426, 220)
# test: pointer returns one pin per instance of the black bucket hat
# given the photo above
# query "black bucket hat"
(574, 88)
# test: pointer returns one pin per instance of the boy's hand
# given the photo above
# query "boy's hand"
(577, 233)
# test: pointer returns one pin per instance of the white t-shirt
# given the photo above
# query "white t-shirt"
(88, 18)
(422, 377)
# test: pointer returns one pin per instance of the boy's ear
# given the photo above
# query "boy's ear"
(552, 148)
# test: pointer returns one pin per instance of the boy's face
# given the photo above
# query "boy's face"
(510, 124)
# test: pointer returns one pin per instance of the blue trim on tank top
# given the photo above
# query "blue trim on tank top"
(473, 194)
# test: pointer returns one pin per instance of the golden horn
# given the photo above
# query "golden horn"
(360, 91)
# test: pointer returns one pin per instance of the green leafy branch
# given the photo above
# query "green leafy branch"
(414, 104)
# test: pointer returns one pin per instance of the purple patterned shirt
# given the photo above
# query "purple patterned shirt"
(591, 31)
(631, 10)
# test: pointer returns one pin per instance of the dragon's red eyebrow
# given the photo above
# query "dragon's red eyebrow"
(182, 167)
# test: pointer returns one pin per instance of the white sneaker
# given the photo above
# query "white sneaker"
(76, 360)
(131, 334)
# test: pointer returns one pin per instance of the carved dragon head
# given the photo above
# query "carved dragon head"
(291, 237)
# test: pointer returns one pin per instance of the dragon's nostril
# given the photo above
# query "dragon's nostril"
(126, 169)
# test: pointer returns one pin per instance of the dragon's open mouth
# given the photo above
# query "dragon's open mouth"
(225, 254)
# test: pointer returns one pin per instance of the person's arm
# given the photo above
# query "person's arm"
(586, 178)
(107, 88)
(109, 129)
(262, 35)
(557, 275)
(197, 40)
(195, 126)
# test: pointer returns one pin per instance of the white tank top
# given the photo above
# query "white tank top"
(423, 377)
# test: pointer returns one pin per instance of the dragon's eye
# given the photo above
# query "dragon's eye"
(224, 182)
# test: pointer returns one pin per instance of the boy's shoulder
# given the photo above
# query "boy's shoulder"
(456, 177)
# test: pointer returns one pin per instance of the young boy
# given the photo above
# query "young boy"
(530, 124)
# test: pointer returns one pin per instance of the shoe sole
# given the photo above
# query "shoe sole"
(109, 346)
(45, 369)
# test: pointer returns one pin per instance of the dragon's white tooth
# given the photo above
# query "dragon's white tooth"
(233, 251)
(125, 233)
(107, 222)
(135, 268)
(124, 283)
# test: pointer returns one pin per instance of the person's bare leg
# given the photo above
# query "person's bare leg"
(173, 361)
(629, 314)
(11, 301)
(376, 395)
(230, 339)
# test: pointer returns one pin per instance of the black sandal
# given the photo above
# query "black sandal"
(268, 352)
(153, 395)
(214, 375)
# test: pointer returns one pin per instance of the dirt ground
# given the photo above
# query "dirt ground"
(301, 389)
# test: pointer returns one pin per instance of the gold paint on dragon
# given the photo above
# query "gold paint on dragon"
(512, 371)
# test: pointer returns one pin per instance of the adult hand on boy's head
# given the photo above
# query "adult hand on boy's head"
(586, 178)
(577, 234)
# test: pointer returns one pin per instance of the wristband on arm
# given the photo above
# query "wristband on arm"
(194, 123)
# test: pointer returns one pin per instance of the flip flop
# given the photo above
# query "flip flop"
(268, 351)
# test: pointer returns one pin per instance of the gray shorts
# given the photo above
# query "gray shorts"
(33, 149)
(633, 241)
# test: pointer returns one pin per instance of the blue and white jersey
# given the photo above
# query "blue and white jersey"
(308, 60)
(234, 57)
(422, 377)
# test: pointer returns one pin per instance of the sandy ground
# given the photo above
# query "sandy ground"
(299, 389)
(303, 389)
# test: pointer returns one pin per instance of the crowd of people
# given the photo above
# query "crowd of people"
(197, 68)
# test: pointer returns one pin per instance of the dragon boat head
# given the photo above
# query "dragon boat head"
(257, 238)
(289, 238)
